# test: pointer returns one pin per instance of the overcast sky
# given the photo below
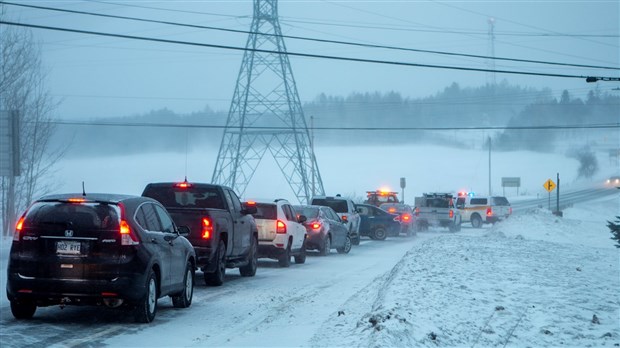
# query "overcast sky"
(108, 77)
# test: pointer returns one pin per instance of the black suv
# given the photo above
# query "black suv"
(99, 249)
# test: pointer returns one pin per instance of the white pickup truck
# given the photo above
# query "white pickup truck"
(438, 210)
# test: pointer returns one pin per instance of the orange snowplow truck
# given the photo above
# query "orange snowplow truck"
(379, 197)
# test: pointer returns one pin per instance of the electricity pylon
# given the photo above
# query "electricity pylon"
(266, 115)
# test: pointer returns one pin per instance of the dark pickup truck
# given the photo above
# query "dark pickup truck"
(222, 229)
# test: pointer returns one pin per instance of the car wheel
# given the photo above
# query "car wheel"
(327, 246)
(301, 257)
(346, 247)
(217, 278)
(285, 259)
(147, 307)
(249, 270)
(23, 309)
(184, 298)
(476, 221)
(379, 233)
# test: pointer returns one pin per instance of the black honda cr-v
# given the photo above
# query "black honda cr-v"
(99, 249)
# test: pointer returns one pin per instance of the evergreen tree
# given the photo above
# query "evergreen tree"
(614, 228)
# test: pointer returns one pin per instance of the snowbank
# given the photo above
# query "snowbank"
(532, 281)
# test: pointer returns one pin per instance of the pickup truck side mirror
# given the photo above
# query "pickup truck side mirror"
(183, 230)
(301, 219)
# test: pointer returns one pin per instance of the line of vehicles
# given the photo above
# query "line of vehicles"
(127, 252)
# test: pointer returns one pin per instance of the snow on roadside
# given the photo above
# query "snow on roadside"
(535, 280)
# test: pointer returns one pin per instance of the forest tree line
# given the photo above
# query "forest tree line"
(502, 105)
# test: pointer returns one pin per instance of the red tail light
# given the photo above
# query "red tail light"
(315, 226)
(406, 217)
(280, 227)
(183, 184)
(18, 228)
(20, 224)
(207, 228)
(510, 211)
(451, 214)
(489, 211)
(417, 211)
(127, 235)
(344, 218)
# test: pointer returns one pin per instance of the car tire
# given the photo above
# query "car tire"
(346, 247)
(326, 247)
(301, 257)
(476, 221)
(184, 298)
(249, 270)
(216, 278)
(379, 233)
(23, 309)
(285, 259)
(147, 307)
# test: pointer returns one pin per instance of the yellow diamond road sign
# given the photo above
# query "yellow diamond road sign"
(549, 185)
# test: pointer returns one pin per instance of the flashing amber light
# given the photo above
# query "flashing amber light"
(207, 228)
(315, 226)
(392, 210)
(280, 227)
(250, 203)
(76, 200)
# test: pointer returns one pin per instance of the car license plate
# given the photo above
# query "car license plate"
(68, 247)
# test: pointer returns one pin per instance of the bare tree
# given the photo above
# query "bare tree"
(22, 88)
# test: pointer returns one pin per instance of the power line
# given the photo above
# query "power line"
(168, 125)
(363, 25)
(346, 43)
(306, 55)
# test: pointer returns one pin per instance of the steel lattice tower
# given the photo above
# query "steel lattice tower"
(266, 115)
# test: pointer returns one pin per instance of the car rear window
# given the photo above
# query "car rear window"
(309, 212)
(88, 215)
(339, 206)
(500, 201)
(266, 211)
(438, 203)
(189, 197)
(482, 201)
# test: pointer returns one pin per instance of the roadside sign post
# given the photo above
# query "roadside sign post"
(403, 183)
(549, 185)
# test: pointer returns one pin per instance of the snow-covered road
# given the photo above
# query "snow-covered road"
(535, 280)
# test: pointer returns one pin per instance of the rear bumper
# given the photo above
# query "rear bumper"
(269, 251)
(315, 240)
(205, 258)
(49, 291)
(494, 219)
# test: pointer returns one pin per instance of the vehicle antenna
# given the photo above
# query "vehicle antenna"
(83, 190)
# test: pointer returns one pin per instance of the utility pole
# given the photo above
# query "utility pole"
(490, 192)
